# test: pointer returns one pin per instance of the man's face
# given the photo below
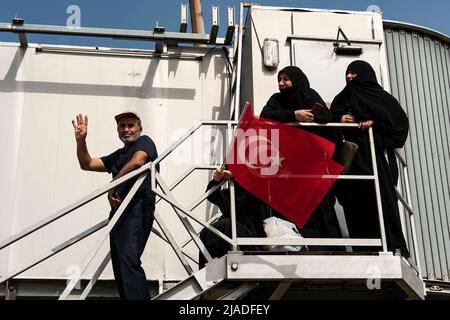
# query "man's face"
(129, 129)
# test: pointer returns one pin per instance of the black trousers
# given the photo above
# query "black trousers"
(127, 240)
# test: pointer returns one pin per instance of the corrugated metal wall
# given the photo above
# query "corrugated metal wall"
(419, 68)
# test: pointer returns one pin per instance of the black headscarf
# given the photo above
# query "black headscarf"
(300, 95)
(367, 100)
(281, 105)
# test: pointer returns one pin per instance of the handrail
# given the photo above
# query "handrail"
(377, 190)
(187, 134)
(56, 249)
(95, 194)
(185, 213)
(234, 241)
(61, 213)
(353, 242)
(407, 204)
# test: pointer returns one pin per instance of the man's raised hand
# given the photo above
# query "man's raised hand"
(81, 126)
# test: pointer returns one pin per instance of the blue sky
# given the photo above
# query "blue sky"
(143, 14)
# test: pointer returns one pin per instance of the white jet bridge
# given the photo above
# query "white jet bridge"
(237, 275)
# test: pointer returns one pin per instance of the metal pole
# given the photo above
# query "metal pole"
(239, 64)
(398, 187)
(195, 7)
(297, 241)
(190, 215)
(163, 238)
(233, 215)
(190, 229)
(96, 275)
(122, 34)
(377, 190)
(197, 202)
(413, 225)
(173, 244)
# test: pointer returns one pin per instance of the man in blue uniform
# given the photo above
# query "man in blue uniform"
(131, 232)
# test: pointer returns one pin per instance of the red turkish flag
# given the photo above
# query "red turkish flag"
(286, 167)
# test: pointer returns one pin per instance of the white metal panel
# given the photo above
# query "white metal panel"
(324, 69)
(419, 72)
(43, 174)
(314, 56)
(356, 26)
(265, 80)
(326, 267)
(11, 106)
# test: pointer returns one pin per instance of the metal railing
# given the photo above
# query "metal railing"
(166, 235)
(186, 214)
(406, 206)
(235, 241)
(109, 224)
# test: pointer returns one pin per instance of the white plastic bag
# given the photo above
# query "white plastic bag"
(279, 228)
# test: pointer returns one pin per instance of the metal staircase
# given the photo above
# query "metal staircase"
(238, 275)
(272, 275)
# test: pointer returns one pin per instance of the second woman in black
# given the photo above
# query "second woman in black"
(365, 102)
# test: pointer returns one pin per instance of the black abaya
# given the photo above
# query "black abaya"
(281, 107)
(367, 100)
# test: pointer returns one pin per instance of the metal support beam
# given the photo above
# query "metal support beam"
(377, 190)
(297, 241)
(96, 275)
(183, 18)
(160, 45)
(190, 229)
(214, 24)
(190, 215)
(325, 267)
(230, 26)
(122, 34)
(174, 245)
(23, 40)
(233, 215)
(195, 285)
(17, 22)
(202, 198)
(10, 291)
(237, 96)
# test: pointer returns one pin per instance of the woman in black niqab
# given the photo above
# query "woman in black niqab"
(292, 104)
(364, 101)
